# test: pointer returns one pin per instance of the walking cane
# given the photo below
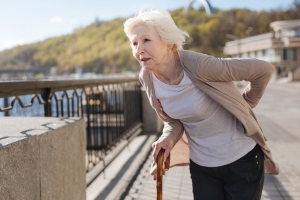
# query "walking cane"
(161, 167)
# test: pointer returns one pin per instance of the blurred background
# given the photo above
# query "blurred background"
(85, 38)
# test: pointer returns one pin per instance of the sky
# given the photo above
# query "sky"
(28, 21)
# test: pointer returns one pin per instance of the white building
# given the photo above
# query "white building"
(281, 48)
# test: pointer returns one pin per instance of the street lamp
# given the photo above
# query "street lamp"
(235, 38)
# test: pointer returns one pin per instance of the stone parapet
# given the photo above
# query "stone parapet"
(42, 158)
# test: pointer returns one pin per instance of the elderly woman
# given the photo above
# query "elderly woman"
(195, 96)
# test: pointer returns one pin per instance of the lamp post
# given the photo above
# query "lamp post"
(235, 38)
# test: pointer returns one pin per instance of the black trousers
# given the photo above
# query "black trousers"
(240, 180)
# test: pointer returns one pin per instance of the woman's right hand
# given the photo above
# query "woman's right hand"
(165, 143)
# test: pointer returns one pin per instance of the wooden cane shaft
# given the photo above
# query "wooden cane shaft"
(159, 174)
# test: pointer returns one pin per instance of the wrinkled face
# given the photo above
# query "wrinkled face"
(148, 48)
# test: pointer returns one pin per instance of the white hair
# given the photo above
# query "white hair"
(162, 23)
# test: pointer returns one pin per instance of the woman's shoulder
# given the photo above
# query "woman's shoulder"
(191, 54)
(188, 56)
(195, 61)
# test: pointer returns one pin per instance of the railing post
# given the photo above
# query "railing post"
(88, 113)
(6, 104)
(47, 105)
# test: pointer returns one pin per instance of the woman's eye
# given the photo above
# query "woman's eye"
(134, 44)
(146, 40)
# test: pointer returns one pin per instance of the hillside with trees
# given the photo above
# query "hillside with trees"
(102, 47)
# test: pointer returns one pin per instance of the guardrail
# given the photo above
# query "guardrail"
(110, 107)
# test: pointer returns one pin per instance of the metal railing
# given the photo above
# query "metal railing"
(110, 107)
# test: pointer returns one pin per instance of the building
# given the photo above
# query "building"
(281, 48)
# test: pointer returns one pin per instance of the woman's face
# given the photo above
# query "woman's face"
(148, 48)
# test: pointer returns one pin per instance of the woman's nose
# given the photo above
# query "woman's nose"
(140, 49)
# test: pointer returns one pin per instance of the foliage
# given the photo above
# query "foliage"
(102, 47)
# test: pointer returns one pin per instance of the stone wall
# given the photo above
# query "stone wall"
(42, 158)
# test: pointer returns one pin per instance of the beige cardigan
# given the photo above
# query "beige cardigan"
(215, 77)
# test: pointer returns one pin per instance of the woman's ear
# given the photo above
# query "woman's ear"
(170, 46)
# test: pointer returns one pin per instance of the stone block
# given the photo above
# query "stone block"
(63, 163)
(19, 170)
(42, 158)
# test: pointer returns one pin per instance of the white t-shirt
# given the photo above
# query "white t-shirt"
(215, 136)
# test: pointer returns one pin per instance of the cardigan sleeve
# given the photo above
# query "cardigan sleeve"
(256, 72)
(173, 128)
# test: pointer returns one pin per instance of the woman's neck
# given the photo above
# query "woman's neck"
(171, 72)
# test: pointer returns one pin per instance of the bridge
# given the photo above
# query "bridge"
(207, 6)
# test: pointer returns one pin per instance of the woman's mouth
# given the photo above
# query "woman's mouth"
(145, 59)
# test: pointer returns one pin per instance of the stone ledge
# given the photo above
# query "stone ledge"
(42, 158)
(14, 129)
